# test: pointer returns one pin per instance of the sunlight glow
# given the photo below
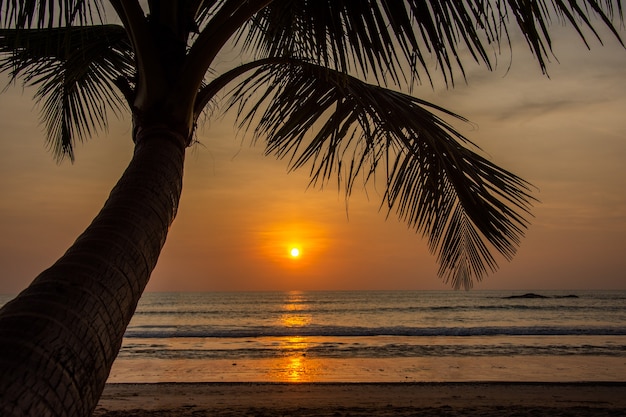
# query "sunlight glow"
(286, 243)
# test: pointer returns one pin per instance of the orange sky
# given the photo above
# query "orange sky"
(241, 213)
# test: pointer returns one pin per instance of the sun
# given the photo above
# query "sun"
(294, 252)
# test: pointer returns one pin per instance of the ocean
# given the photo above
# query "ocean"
(376, 336)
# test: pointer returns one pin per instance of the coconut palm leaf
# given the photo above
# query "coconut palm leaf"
(74, 71)
(339, 125)
(49, 13)
(380, 37)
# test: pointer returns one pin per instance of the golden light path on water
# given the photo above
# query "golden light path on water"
(296, 368)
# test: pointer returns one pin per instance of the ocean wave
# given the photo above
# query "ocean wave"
(360, 350)
(155, 331)
(378, 310)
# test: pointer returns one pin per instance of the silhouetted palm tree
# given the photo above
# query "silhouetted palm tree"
(332, 67)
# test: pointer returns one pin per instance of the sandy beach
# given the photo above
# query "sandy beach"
(363, 399)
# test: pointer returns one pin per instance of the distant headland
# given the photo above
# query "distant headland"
(533, 295)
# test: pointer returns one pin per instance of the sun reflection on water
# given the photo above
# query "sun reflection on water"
(294, 366)
(295, 311)
(295, 320)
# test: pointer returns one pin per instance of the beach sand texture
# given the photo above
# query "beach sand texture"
(363, 399)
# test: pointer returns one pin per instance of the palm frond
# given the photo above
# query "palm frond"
(379, 38)
(205, 10)
(74, 71)
(49, 13)
(339, 125)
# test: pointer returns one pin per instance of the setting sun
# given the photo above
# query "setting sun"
(293, 247)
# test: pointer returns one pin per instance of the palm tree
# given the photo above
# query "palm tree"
(334, 67)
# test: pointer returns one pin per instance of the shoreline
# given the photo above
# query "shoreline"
(299, 368)
(363, 399)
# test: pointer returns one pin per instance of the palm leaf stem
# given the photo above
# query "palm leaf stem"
(150, 72)
(206, 93)
(212, 39)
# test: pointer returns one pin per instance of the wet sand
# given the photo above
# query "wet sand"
(363, 399)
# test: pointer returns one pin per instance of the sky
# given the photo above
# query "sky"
(241, 212)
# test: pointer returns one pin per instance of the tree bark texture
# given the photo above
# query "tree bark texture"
(60, 336)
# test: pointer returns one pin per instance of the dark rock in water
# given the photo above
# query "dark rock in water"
(533, 295)
(528, 295)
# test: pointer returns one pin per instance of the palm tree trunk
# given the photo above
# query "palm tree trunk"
(60, 336)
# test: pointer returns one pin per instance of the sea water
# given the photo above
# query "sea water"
(376, 336)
